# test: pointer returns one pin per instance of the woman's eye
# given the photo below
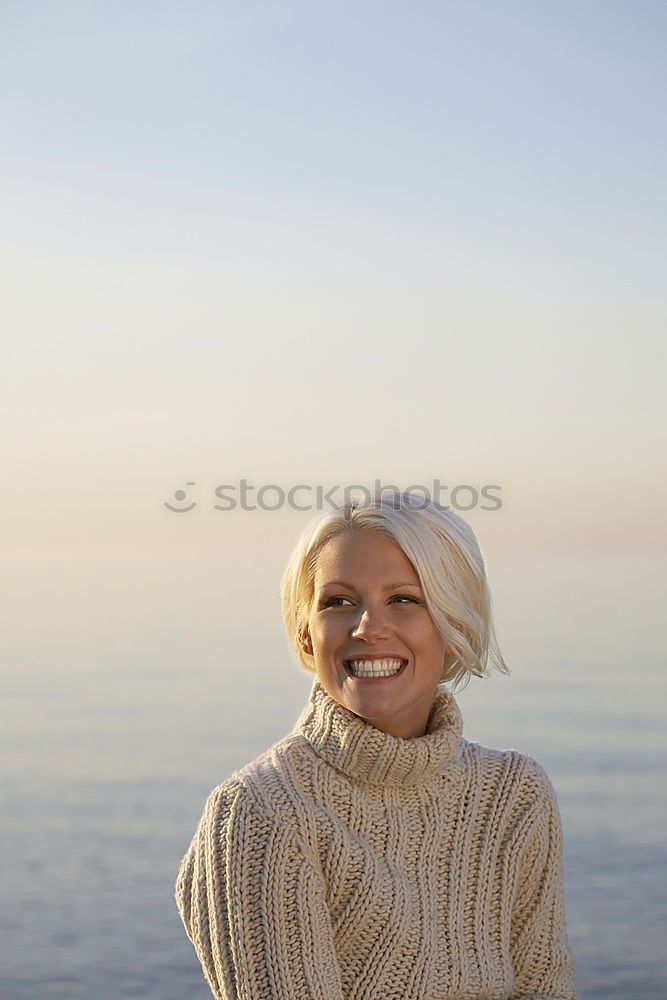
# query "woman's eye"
(340, 601)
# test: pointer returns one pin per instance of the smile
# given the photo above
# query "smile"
(372, 669)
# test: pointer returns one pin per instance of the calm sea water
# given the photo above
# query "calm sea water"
(130, 691)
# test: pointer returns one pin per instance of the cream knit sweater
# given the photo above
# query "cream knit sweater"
(347, 863)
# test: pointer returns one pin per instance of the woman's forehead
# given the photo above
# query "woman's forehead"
(363, 554)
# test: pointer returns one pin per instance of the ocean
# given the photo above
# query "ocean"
(130, 691)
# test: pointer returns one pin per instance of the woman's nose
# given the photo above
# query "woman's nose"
(371, 625)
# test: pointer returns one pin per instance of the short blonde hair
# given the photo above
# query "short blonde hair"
(447, 559)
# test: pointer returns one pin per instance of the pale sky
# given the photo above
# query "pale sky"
(324, 243)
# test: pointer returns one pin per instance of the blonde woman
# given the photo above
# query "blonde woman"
(374, 853)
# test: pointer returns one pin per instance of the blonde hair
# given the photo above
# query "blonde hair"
(447, 559)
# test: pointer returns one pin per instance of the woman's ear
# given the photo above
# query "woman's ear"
(305, 641)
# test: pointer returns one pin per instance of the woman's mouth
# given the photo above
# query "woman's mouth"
(361, 669)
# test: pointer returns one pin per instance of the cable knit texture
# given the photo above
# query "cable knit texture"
(348, 863)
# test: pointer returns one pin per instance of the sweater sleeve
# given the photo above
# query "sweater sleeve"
(253, 904)
(541, 959)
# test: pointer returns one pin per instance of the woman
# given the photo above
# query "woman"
(374, 852)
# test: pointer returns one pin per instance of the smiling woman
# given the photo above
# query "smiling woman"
(373, 852)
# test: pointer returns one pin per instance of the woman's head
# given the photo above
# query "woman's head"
(433, 546)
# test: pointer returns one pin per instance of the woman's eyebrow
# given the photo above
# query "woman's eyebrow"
(389, 586)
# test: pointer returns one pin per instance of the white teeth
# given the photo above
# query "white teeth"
(375, 668)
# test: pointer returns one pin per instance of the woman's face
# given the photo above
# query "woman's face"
(368, 605)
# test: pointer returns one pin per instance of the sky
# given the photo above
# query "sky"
(325, 243)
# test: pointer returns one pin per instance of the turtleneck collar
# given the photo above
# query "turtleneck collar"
(371, 756)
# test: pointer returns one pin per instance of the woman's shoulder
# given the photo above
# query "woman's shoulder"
(262, 785)
(515, 773)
